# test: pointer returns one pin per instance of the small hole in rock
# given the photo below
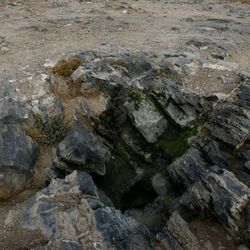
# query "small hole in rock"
(138, 195)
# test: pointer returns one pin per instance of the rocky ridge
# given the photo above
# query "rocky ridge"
(137, 160)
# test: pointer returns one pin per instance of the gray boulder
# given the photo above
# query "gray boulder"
(229, 123)
(177, 235)
(231, 132)
(244, 75)
(7, 87)
(159, 184)
(211, 149)
(18, 155)
(14, 112)
(220, 193)
(60, 213)
(183, 106)
(122, 232)
(147, 119)
(187, 169)
(70, 215)
(243, 95)
(83, 150)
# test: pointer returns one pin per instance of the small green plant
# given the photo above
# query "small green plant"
(49, 131)
(137, 96)
(178, 146)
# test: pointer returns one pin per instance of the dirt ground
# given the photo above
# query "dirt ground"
(32, 31)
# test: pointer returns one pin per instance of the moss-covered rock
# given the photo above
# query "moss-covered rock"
(179, 145)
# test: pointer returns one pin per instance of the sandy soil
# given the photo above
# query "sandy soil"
(32, 31)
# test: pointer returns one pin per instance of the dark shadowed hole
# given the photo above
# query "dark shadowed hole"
(138, 195)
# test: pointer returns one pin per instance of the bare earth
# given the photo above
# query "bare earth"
(32, 31)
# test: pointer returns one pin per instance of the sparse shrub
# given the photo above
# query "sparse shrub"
(48, 132)
(65, 68)
(137, 96)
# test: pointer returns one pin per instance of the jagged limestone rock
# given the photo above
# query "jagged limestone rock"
(211, 149)
(147, 119)
(229, 123)
(183, 106)
(18, 155)
(177, 235)
(14, 112)
(189, 168)
(60, 212)
(222, 194)
(83, 150)
(69, 210)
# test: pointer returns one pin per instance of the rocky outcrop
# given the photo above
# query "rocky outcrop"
(146, 103)
(230, 123)
(220, 193)
(188, 169)
(211, 149)
(120, 231)
(218, 47)
(69, 214)
(147, 119)
(182, 106)
(177, 235)
(211, 188)
(14, 112)
(83, 150)
(18, 155)
(60, 205)
(131, 119)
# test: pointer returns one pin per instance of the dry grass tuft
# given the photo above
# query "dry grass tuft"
(49, 132)
(65, 68)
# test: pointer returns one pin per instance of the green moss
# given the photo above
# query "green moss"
(178, 146)
(154, 169)
(50, 131)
